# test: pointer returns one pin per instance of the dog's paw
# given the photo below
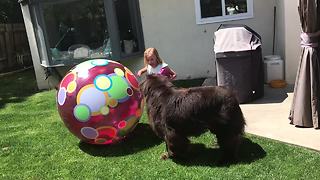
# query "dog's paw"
(164, 156)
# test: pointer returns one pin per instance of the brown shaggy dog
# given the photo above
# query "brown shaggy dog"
(175, 114)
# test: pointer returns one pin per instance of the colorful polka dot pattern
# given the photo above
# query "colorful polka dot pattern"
(99, 101)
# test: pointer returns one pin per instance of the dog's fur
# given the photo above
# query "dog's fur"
(175, 114)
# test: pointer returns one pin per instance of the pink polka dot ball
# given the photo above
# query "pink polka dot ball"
(99, 101)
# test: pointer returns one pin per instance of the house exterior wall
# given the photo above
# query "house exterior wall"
(170, 26)
(280, 29)
(288, 38)
(187, 47)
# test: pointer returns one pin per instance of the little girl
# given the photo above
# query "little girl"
(155, 65)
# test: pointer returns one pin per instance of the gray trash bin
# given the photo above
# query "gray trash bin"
(239, 62)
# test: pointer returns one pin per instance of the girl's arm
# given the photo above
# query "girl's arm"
(172, 74)
(141, 71)
(167, 71)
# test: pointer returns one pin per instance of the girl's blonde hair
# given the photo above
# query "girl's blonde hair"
(151, 51)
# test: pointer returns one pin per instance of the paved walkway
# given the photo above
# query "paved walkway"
(268, 117)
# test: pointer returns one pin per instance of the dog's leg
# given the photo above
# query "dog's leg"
(165, 155)
(229, 145)
(176, 144)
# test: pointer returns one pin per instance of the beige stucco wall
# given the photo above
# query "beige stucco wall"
(170, 26)
(288, 26)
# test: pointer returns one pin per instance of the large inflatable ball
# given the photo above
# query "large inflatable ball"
(99, 101)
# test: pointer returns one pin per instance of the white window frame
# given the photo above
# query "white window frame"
(224, 17)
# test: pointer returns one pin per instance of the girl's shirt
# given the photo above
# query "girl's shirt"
(156, 70)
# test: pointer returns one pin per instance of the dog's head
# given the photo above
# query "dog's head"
(153, 82)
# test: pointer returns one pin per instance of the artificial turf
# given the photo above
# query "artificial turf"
(35, 144)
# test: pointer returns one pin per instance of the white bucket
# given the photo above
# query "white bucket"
(273, 68)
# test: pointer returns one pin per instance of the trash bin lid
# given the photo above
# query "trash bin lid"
(234, 38)
(272, 57)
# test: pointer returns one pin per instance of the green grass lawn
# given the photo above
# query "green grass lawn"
(35, 144)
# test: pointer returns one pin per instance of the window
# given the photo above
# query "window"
(211, 11)
(71, 31)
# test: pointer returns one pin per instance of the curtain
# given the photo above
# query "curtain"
(305, 105)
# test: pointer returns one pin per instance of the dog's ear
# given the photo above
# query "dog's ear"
(148, 76)
(142, 86)
(151, 76)
(142, 83)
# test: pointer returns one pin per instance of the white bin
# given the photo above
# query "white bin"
(273, 68)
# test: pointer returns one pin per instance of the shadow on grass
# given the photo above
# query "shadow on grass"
(141, 138)
(203, 156)
(15, 88)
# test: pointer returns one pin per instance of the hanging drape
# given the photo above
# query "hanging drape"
(305, 105)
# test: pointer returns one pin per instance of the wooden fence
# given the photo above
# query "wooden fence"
(14, 47)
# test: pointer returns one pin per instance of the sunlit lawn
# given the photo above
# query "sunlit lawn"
(35, 144)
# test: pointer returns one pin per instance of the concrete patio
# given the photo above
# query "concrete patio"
(268, 117)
